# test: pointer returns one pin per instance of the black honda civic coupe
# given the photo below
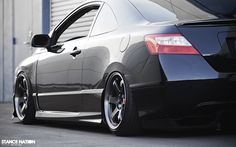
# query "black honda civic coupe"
(131, 64)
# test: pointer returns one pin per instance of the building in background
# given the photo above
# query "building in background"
(19, 21)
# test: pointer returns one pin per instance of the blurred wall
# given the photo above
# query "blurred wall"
(19, 20)
(1, 50)
(6, 49)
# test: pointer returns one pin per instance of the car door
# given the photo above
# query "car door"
(52, 71)
(59, 74)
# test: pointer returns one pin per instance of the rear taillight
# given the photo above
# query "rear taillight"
(169, 44)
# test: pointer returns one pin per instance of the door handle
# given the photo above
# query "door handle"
(75, 52)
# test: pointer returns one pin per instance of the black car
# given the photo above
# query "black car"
(134, 63)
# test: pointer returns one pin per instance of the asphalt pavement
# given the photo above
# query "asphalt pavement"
(54, 134)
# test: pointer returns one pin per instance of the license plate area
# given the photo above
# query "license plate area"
(231, 43)
(228, 45)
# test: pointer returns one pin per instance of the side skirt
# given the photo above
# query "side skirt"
(91, 117)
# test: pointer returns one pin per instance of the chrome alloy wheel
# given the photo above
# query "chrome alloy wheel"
(21, 97)
(115, 100)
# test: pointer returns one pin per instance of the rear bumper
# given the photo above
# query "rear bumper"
(180, 99)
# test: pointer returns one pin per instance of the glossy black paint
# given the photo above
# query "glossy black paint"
(163, 85)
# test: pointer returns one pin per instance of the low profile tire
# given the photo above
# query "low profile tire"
(23, 100)
(119, 107)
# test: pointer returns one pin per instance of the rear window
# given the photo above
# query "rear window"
(172, 10)
(155, 10)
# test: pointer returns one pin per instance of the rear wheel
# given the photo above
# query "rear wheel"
(23, 101)
(119, 107)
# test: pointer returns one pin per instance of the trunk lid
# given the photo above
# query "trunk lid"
(215, 40)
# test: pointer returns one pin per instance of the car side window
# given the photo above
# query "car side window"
(78, 26)
(105, 22)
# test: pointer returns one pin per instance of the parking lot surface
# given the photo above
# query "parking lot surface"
(53, 134)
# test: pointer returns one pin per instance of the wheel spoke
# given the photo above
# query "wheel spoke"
(123, 100)
(112, 100)
(24, 83)
(122, 86)
(114, 113)
(116, 87)
(23, 108)
(120, 115)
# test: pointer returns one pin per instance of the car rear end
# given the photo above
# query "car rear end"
(198, 61)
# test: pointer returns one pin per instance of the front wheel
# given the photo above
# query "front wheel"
(23, 101)
(119, 107)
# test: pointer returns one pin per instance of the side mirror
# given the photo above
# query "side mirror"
(40, 40)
